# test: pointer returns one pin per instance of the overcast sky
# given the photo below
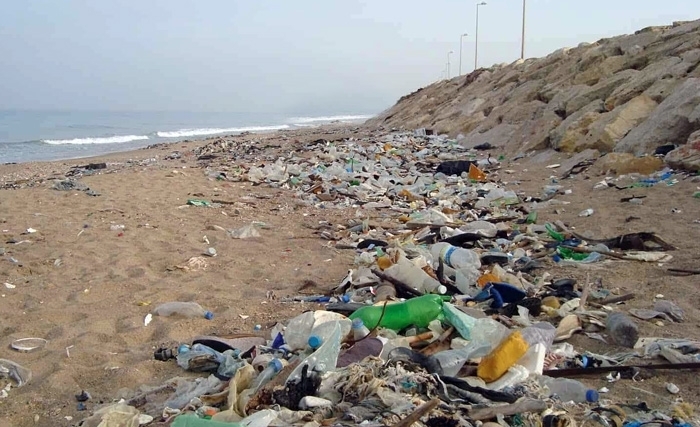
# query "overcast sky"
(287, 56)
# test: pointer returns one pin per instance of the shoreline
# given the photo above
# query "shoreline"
(56, 143)
(92, 268)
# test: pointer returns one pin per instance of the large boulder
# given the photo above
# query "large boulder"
(606, 132)
(574, 127)
(534, 134)
(601, 90)
(624, 163)
(686, 157)
(670, 123)
(641, 82)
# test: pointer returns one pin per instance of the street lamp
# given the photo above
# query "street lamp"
(448, 64)
(476, 42)
(460, 52)
(522, 45)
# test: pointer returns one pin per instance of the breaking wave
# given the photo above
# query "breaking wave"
(213, 131)
(96, 140)
(306, 120)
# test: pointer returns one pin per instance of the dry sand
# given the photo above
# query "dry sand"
(86, 288)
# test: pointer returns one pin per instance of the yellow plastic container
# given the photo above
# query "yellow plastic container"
(509, 351)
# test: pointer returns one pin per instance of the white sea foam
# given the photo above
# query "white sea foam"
(298, 120)
(213, 131)
(96, 140)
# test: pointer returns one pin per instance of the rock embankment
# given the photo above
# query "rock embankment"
(629, 94)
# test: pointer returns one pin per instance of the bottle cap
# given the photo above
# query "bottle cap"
(357, 323)
(442, 289)
(275, 364)
(315, 341)
(208, 315)
(592, 396)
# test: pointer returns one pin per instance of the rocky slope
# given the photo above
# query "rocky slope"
(629, 94)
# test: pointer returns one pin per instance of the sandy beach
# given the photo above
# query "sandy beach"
(80, 281)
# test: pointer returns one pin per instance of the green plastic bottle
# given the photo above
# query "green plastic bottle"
(531, 217)
(553, 233)
(419, 311)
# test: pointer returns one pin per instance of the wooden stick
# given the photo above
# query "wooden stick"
(434, 346)
(526, 405)
(416, 339)
(418, 413)
(683, 270)
(398, 283)
(613, 300)
(579, 372)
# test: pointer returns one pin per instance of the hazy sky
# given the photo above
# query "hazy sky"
(293, 56)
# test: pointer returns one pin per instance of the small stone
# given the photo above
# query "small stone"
(659, 323)
(145, 419)
(210, 252)
(672, 388)
(84, 396)
(36, 418)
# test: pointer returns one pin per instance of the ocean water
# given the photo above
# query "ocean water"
(54, 135)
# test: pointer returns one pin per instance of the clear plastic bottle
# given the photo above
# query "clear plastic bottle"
(451, 361)
(323, 329)
(266, 375)
(622, 329)
(323, 359)
(182, 309)
(297, 332)
(409, 273)
(359, 330)
(569, 390)
(455, 257)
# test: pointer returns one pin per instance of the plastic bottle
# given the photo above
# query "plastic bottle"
(325, 358)
(465, 279)
(622, 329)
(323, 329)
(407, 272)
(455, 257)
(182, 309)
(418, 311)
(298, 330)
(359, 330)
(266, 375)
(493, 366)
(451, 361)
(568, 390)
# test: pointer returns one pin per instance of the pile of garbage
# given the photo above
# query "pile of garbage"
(448, 317)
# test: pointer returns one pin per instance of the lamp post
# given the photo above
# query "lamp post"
(460, 52)
(522, 45)
(476, 42)
(448, 64)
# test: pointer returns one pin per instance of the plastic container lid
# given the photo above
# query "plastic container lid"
(315, 341)
(208, 315)
(592, 396)
(277, 365)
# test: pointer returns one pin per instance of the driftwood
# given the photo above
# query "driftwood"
(490, 412)
(416, 415)
(631, 241)
(683, 271)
